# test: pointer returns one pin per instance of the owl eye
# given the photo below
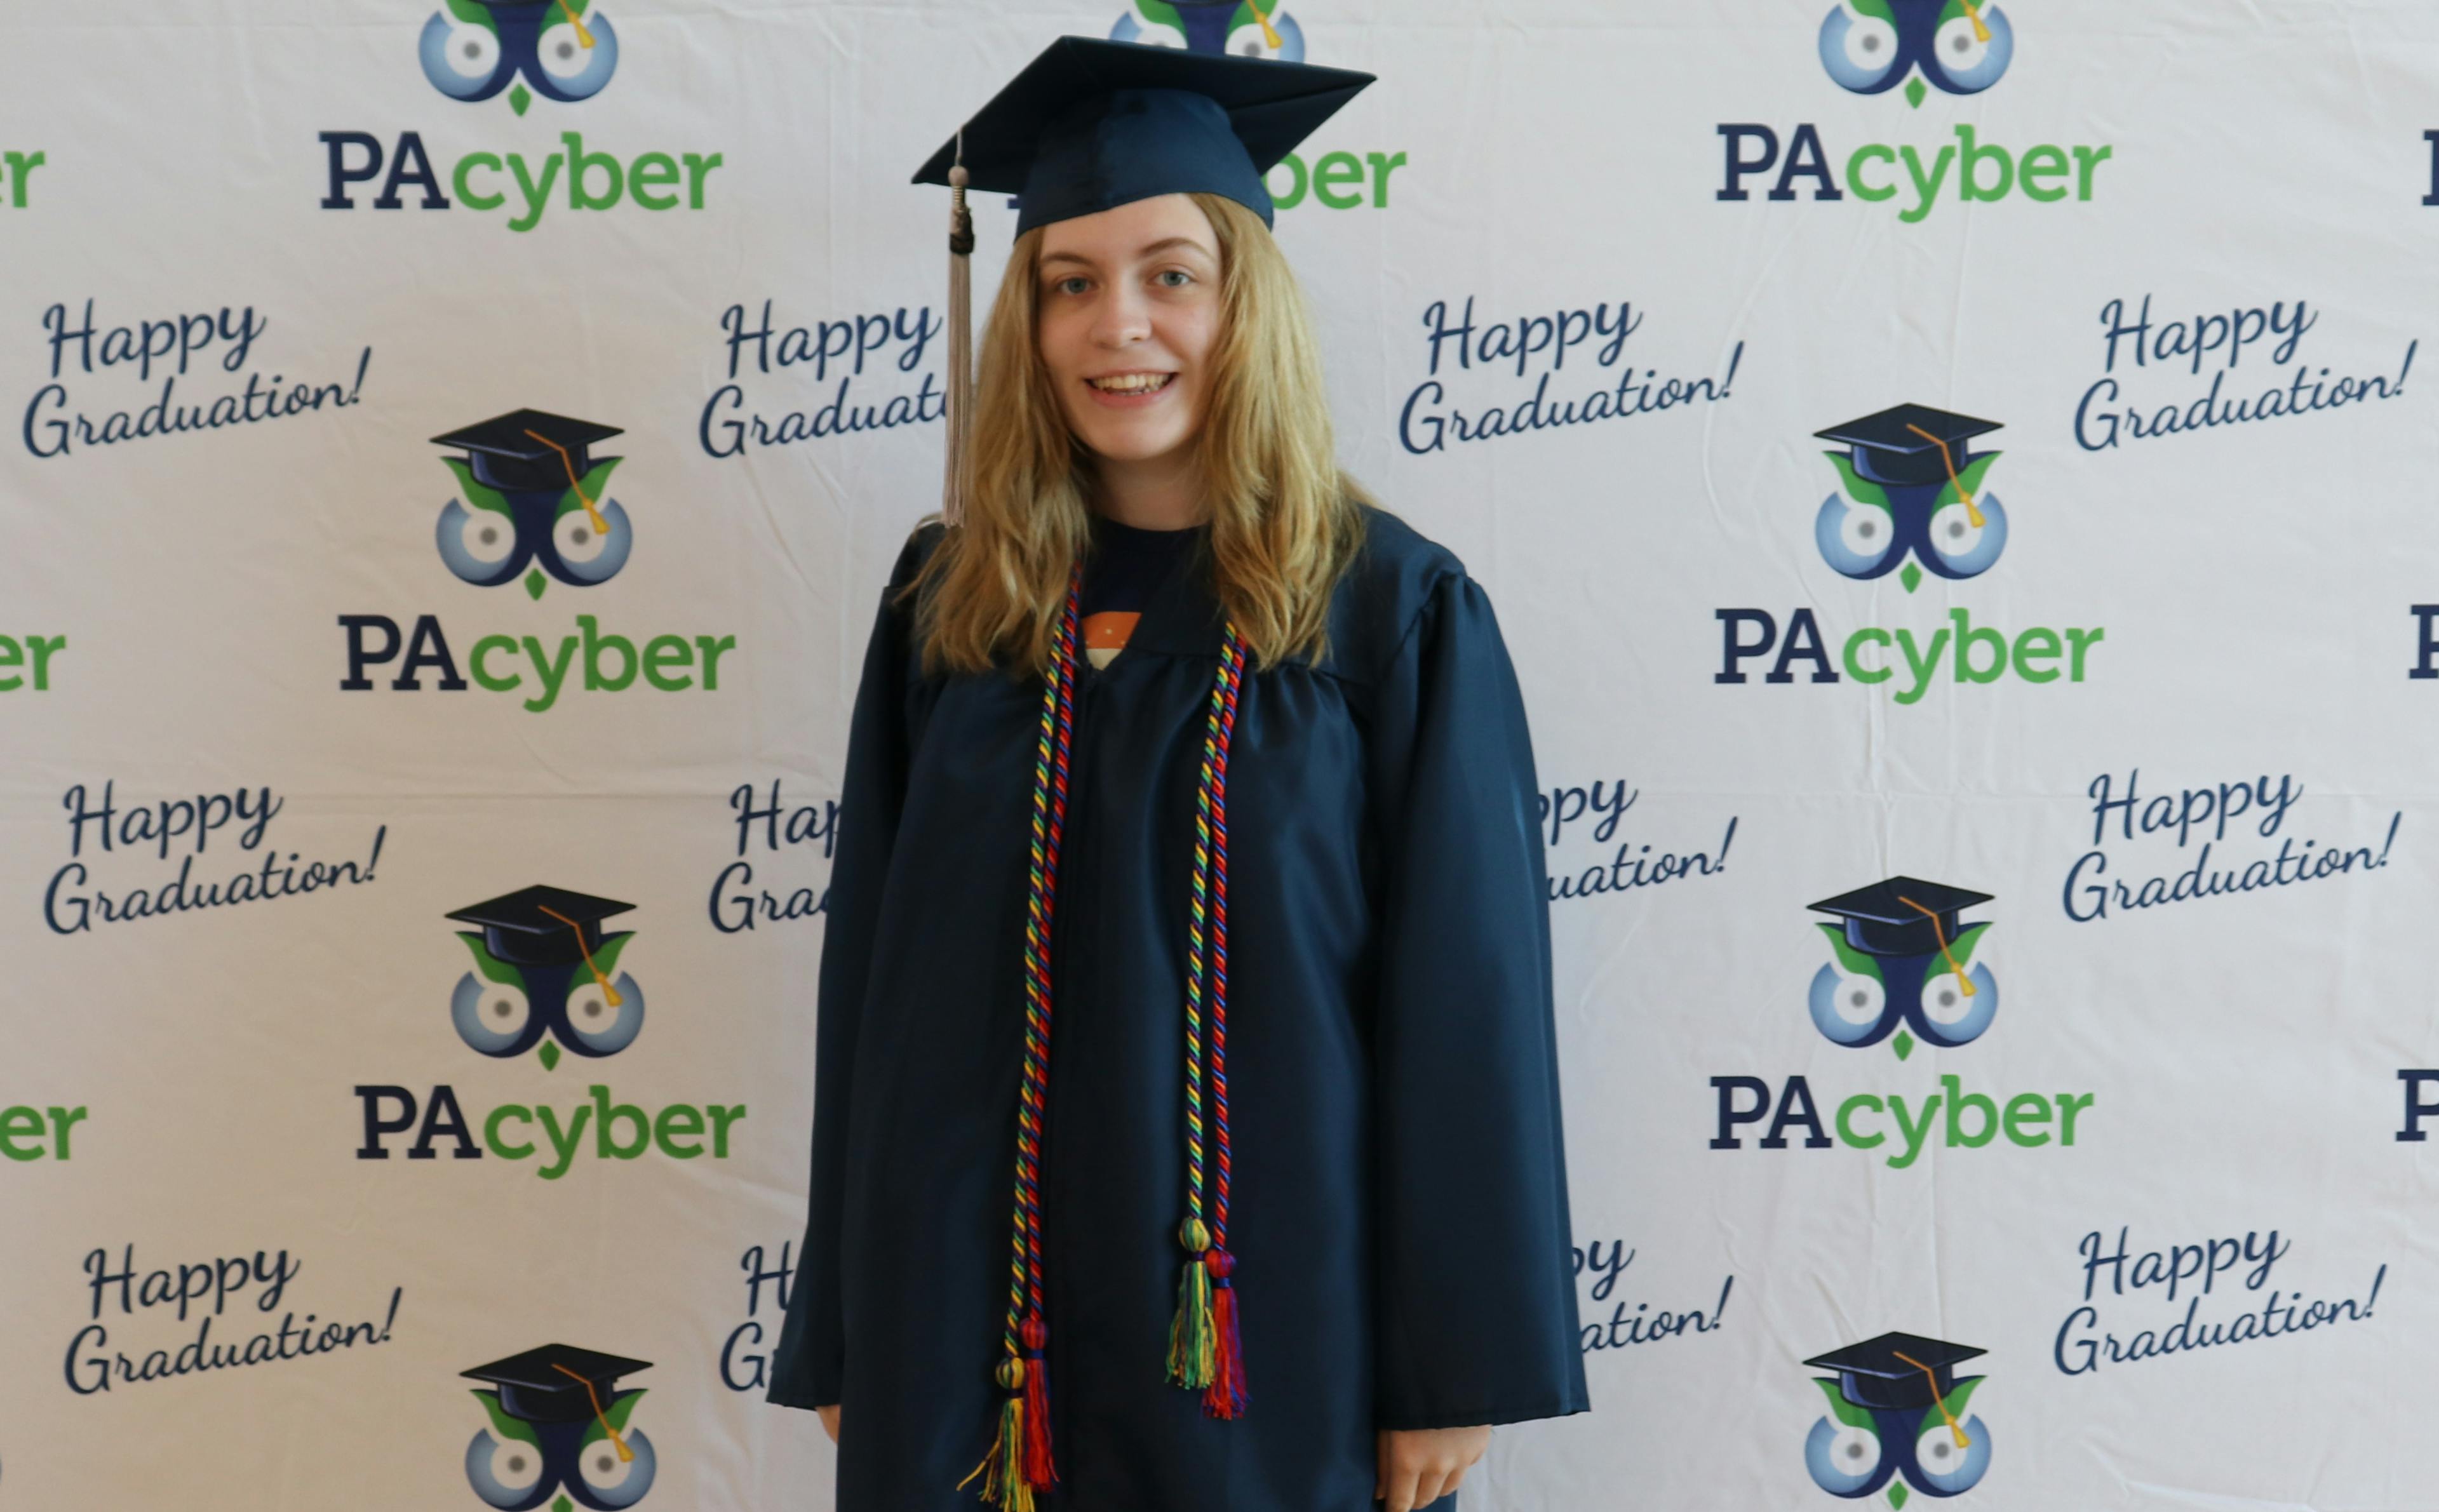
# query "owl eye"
(572, 70)
(491, 1017)
(1949, 1017)
(1148, 34)
(486, 536)
(1857, 539)
(506, 1474)
(1944, 1469)
(589, 553)
(1962, 62)
(1860, 51)
(1963, 548)
(600, 1028)
(460, 58)
(613, 1481)
(1251, 41)
(479, 545)
(1843, 1460)
(1846, 1007)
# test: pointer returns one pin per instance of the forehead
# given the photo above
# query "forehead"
(1117, 234)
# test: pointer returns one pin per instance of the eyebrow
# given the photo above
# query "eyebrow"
(1162, 246)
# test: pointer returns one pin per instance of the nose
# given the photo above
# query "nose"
(1124, 316)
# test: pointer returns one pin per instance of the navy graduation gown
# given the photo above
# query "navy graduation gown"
(1399, 1204)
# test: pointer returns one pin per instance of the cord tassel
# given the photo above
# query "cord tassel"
(1039, 1471)
(1225, 1398)
(1003, 1468)
(959, 400)
(1190, 1350)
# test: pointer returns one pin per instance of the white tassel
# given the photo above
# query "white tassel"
(960, 399)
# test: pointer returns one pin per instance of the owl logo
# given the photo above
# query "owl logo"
(472, 50)
(1903, 967)
(1896, 1409)
(542, 976)
(532, 499)
(1870, 45)
(1248, 29)
(1910, 498)
(558, 1422)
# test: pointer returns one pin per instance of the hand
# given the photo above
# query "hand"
(1418, 1467)
(830, 1420)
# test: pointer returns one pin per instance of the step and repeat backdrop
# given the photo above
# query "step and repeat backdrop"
(1956, 482)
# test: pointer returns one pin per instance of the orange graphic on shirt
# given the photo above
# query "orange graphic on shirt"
(1107, 633)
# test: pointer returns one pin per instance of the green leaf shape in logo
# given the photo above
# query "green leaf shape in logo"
(1950, 12)
(1897, 1493)
(1971, 477)
(1962, 1393)
(478, 494)
(1845, 1411)
(1160, 13)
(1960, 947)
(549, 1056)
(1854, 961)
(1879, 10)
(605, 955)
(1910, 575)
(1902, 1044)
(492, 968)
(1858, 487)
(593, 483)
(536, 584)
(561, 1503)
(620, 1408)
(519, 97)
(472, 13)
(502, 1424)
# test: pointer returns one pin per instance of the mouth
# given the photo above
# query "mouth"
(1130, 384)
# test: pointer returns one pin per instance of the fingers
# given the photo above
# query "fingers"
(829, 1416)
(1400, 1496)
(1427, 1487)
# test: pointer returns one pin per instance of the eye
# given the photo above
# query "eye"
(491, 1017)
(1283, 40)
(486, 536)
(472, 52)
(1842, 1458)
(600, 1028)
(615, 1482)
(1069, 285)
(479, 545)
(1148, 34)
(1860, 51)
(1944, 1000)
(1857, 539)
(506, 1473)
(1964, 548)
(1181, 277)
(460, 58)
(570, 70)
(593, 553)
(1950, 1017)
(1942, 1468)
(1963, 61)
(1846, 1007)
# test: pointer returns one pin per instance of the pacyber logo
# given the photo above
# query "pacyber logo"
(1903, 966)
(1870, 46)
(1897, 1407)
(537, 496)
(559, 1420)
(472, 50)
(1246, 29)
(542, 977)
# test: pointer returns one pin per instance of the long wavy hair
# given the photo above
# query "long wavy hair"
(1285, 522)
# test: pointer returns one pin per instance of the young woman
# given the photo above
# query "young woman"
(1191, 859)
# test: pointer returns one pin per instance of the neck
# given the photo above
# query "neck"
(1156, 493)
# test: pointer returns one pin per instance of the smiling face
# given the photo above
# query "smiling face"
(1128, 313)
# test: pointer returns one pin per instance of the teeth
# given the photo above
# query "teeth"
(1132, 383)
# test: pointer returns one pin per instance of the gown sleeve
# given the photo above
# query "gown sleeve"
(1476, 1302)
(808, 1362)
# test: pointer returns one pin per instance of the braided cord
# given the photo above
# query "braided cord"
(1224, 689)
(1041, 897)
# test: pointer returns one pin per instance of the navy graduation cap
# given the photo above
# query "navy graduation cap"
(1091, 125)
(1896, 1371)
(528, 451)
(1902, 916)
(1909, 444)
(542, 925)
(555, 1383)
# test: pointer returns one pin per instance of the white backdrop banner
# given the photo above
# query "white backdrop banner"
(1976, 448)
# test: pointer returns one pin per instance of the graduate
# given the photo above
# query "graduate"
(1186, 1129)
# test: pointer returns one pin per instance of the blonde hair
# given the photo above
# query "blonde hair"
(1285, 521)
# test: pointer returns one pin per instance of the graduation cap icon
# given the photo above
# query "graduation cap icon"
(528, 451)
(1907, 444)
(1090, 125)
(557, 1384)
(542, 925)
(1898, 1409)
(1896, 1370)
(1901, 915)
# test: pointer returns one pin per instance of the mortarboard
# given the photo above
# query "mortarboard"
(527, 450)
(1903, 916)
(1091, 125)
(1907, 444)
(555, 1383)
(541, 925)
(1897, 1371)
